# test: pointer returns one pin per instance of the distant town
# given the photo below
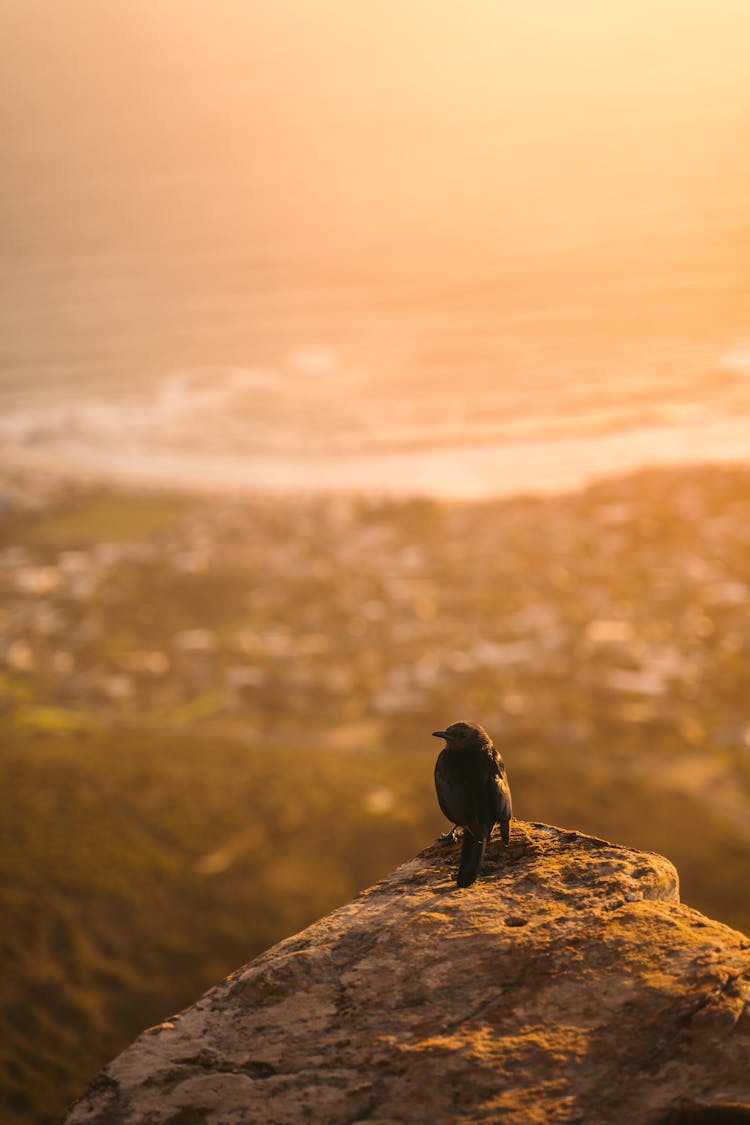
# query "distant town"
(627, 605)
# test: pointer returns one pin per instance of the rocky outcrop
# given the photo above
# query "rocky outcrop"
(567, 985)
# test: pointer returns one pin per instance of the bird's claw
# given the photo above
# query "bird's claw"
(452, 835)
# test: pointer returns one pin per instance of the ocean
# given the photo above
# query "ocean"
(439, 249)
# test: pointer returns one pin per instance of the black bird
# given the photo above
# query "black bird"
(472, 791)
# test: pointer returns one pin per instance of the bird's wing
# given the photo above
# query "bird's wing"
(500, 798)
(444, 790)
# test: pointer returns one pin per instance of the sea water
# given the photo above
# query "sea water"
(450, 249)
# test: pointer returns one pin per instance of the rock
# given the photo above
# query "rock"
(567, 985)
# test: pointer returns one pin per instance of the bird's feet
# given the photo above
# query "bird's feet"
(452, 835)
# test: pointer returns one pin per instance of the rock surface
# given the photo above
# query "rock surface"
(567, 985)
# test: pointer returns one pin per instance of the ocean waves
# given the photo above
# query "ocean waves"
(316, 423)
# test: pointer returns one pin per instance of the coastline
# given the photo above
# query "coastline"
(454, 472)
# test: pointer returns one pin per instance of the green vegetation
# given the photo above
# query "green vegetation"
(215, 717)
(95, 519)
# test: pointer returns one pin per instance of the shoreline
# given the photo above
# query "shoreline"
(455, 473)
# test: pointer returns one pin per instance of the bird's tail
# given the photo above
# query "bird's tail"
(472, 854)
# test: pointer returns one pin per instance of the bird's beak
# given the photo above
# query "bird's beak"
(439, 734)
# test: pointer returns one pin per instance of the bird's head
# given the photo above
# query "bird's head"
(460, 735)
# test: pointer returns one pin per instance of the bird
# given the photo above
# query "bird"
(473, 792)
